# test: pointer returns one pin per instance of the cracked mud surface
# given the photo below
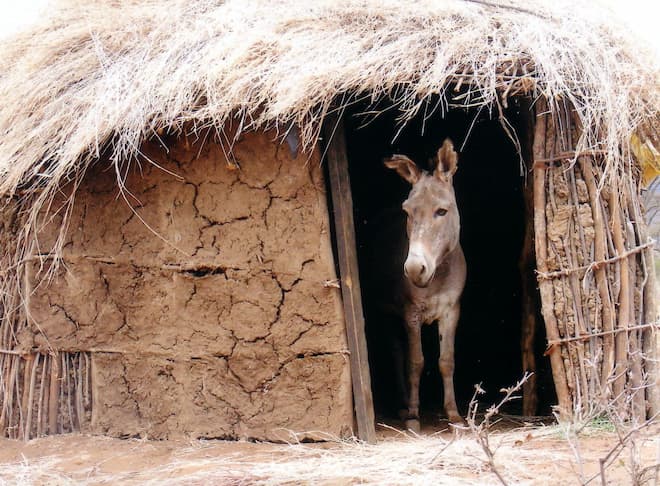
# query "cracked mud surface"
(212, 319)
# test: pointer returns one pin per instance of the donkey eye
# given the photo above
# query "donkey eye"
(440, 212)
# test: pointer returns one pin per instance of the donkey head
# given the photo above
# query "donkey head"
(433, 221)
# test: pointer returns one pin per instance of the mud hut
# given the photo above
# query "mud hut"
(169, 262)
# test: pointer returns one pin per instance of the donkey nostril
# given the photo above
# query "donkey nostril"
(422, 270)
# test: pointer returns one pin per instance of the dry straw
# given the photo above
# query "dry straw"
(428, 460)
(527, 456)
(97, 78)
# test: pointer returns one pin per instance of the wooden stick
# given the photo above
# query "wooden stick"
(3, 390)
(14, 404)
(62, 390)
(601, 277)
(621, 342)
(12, 395)
(461, 79)
(594, 265)
(54, 394)
(68, 388)
(637, 272)
(27, 362)
(650, 336)
(555, 143)
(87, 382)
(79, 388)
(650, 325)
(545, 287)
(350, 281)
(33, 375)
(8, 364)
(650, 342)
(528, 327)
(569, 155)
(572, 241)
(572, 360)
(93, 393)
(40, 403)
(529, 292)
(16, 417)
(575, 292)
(592, 347)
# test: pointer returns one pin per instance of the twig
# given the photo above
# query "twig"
(655, 469)
(508, 7)
(584, 337)
(568, 155)
(453, 438)
(29, 411)
(40, 405)
(616, 450)
(54, 393)
(69, 387)
(593, 265)
(481, 430)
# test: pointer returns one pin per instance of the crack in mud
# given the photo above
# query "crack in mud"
(233, 337)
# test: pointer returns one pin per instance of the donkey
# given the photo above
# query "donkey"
(433, 273)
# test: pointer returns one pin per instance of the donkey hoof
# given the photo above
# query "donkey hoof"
(413, 425)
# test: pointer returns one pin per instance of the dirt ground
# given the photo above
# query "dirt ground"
(526, 455)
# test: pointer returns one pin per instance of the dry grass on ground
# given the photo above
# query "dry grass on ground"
(530, 455)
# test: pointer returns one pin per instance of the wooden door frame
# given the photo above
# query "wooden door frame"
(342, 203)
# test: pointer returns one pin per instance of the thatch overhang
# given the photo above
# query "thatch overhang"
(108, 75)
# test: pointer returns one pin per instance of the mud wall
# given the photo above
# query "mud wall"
(201, 295)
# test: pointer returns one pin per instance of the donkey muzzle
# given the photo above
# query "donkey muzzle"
(417, 269)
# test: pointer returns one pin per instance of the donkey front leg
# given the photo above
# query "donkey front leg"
(447, 330)
(415, 366)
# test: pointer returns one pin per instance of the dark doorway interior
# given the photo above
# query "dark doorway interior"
(489, 190)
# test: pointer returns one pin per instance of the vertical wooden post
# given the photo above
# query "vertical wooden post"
(650, 338)
(526, 265)
(600, 249)
(342, 202)
(54, 393)
(545, 286)
(625, 316)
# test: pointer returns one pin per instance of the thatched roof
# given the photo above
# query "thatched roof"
(105, 75)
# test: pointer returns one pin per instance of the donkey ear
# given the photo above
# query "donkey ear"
(405, 167)
(447, 161)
